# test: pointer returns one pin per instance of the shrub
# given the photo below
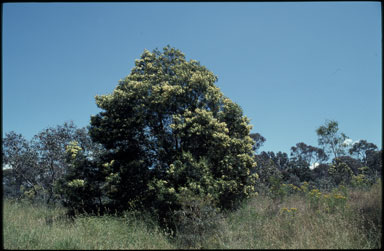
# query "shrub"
(340, 172)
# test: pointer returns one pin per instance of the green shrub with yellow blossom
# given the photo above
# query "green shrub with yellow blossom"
(361, 180)
(340, 172)
(80, 188)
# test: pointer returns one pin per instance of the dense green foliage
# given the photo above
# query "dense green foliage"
(168, 133)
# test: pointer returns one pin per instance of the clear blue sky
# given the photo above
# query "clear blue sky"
(290, 66)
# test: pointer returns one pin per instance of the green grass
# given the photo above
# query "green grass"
(31, 227)
(261, 223)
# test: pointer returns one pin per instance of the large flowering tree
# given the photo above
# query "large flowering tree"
(169, 132)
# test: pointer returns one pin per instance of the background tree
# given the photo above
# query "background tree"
(50, 144)
(170, 131)
(259, 141)
(22, 161)
(11, 184)
(375, 164)
(280, 159)
(322, 178)
(300, 169)
(331, 140)
(36, 165)
(307, 153)
(267, 170)
(361, 149)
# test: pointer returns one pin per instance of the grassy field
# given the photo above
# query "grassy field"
(296, 221)
(37, 227)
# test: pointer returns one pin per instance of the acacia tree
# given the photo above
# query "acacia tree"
(81, 186)
(340, 172)
(169, 131)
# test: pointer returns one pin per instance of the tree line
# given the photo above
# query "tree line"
(333, 162)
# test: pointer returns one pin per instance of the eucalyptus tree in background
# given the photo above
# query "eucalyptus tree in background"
(331, 140)
(35, 166)
(21, 162)
(307, 153)
(258, 139)
(370, 158)
(375, 163)
(362, 149)
(280, 159)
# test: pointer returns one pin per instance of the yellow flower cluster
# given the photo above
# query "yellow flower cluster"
(304, 187)
(73, 148)
(359, 180)
(106, 165)
(76, 183)
(112, 177)
(290, 211)
(315, 193)
(295, 188)
(171, 169)
(327, 201)
(339, 196)
(292, 187)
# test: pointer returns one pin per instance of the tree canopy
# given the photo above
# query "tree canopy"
(332, 141)
(307, 153)
(35, 166)
(168, 131)
(361, 149)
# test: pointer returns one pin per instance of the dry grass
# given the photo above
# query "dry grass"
(261, 223)
(264, 224)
